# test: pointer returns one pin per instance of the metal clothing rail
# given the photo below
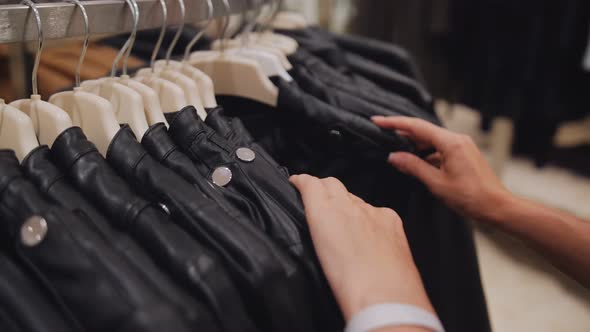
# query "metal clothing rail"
(62, 20)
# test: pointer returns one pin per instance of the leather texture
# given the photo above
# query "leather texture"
(51, 181)
(24, 304)
(160, 146)
(339, 60)
(306, 145)
(270, 296)
(273, 179)
(193, 266)
(362, 102)
(265, 184)
(95, 283)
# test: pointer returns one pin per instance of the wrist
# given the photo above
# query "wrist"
(501, 205)
(408, 290)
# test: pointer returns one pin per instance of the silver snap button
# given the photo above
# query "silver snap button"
(336, 133)
(246, 154)
(33, 231)
(165, 208)
(221, 176)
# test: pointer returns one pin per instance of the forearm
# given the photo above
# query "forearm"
(559, 236)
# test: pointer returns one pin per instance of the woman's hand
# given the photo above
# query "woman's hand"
(363, 250)
(457, 173)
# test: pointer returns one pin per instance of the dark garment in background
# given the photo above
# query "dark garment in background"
(358, 68)
(192, 265)
(390, 81)
(94, 282)
(421, 27)
(441, 242)
(352, 102)
(51, 181)
(269, 296)
(528, 68)
(210, 151)
(24, 303)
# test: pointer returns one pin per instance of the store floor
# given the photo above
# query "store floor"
(524, 292)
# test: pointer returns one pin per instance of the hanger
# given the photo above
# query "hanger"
(236, 75)
(127, 103)
(188, 85)
(170, 95)
(151, 102)
(204, 82)
(267, 37)
(16, 131)
(269, 62)
(253, 40)
(94, 114)
(48, 120)
(288, 20)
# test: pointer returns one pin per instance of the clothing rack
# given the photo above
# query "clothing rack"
(63, 20)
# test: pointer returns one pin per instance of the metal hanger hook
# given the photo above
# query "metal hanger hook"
(191, 44)
(40, 43)
(225, 26)
(161, 36)
(86, 38)
(275, 6)
(251, 24)
(126, 49)
(178, 33)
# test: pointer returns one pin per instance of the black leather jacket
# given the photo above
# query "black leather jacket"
(160, 146)
(24, 304)
(94, 282)
(266, 184)
(51, 181)
(192, 265)
(248, 253)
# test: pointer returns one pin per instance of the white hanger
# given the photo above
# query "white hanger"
(48, 120)
(94, 114)
(285, 44)
(237, 75)
(152, 107)
(204, 82)
(265, 39)
(255, 43)
(271, 64)
(127, 103)
(171, 97)
(16, 131)
(188, 85)
(289, 21)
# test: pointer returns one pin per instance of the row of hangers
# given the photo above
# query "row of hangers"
(236, 67)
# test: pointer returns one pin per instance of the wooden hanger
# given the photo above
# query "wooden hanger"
(289, 21)
(188, 85)
(94, 114)
(48, 120)
(16, 131)
(127, 103)
(237, 75)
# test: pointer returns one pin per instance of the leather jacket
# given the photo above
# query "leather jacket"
(192, 265)
(51, 181)
(248, 253)
(24, 304)
(266, 184)
(160, 146)
(67, 252)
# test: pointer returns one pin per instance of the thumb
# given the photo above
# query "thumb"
(412, 165)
